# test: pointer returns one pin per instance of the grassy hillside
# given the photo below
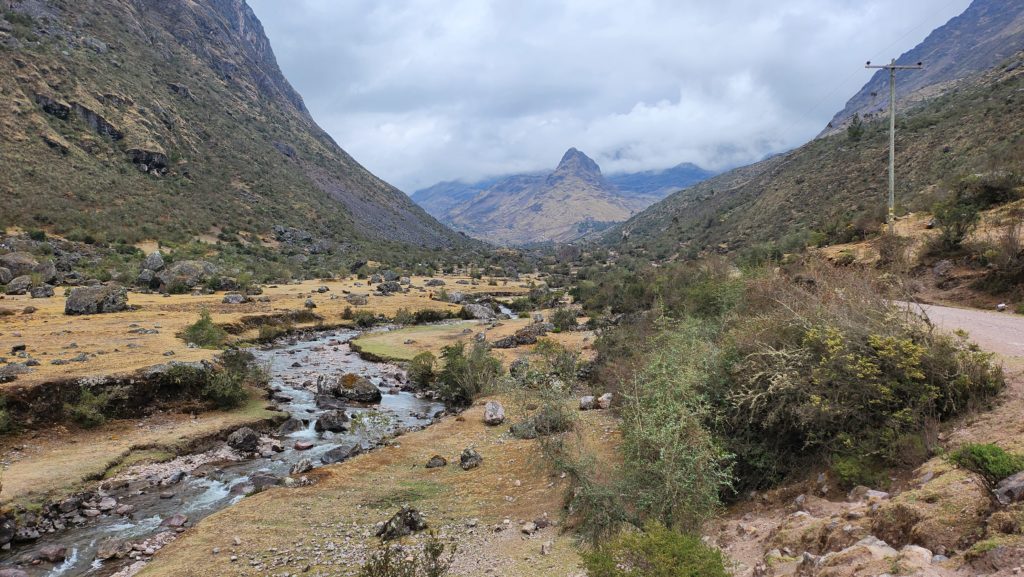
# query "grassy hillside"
(149, 120)
(834, 188)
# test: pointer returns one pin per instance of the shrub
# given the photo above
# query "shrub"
(421, 368)
(466, 375)
(564, 319)
(364, 319)
(89, 410)
(956, 218)
(655, 552)
(269, 332)
(347, 314)
(225, 386)
(6, 424)
(430, 316)
(395, 561)
(990, 461)
(855, 130)
(404, 316)
(37, 234)
(205, 333)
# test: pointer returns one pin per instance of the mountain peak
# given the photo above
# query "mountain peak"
(576, 162)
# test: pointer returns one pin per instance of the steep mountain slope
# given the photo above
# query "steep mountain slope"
(836, 186)
(128, 120)
(988, 32)
(564, 205)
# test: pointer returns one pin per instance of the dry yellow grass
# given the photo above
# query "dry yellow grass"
(49, 334)
(55, 461)
(513, 483)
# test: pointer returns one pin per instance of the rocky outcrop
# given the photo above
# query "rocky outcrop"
(334, 421)
(151, 161)
(245, 440)
(185, 275)
(91, 300)
(405, 522)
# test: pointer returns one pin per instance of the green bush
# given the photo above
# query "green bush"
(421, 368)
(430, 316)
(395, 561)
(956, 218)
(990, 461)
(225, 386)
(37, 234)
(655, 552)
(466, 374)
(90, 409)
(564, 318)
(205, 333)
(269, 332)
(404, 316)
(364, 319)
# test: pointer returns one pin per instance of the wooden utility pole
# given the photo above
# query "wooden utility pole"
(892, 67)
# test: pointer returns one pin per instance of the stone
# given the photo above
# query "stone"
(53, 553)
(12, 572)
(524, 430)
(302, 466)
(494, 413)
(303, 445)
(334, 421)
(234, 299)
(341, 453)
(244, 439)
(309, 304)
(528, 528)
(185, 275)
(356, 299)
(19, 285)
(90, 300)
(5, 275)
(436, 462)
(1011, 489)
(154, 261)
(604, 401)
(478, 311)
(546, 547)
(19, 263)
(43, 291)
(290, 426)
(405, 522)
(519, 367)
(107, 504)
(470, 459)
(348, 387)
(588, 402)
(434, 282)
(174, 521)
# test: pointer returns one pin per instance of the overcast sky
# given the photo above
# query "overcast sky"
(421, 91)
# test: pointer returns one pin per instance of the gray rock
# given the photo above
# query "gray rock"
(186, 275)
(389, 287)
(456, 297)
(146, 278)
(19, 263)
(437, 461)
(90, 300)
(524, 430)
(245, 440)
(335, 421)
(356, 299)
(5, 275)
(348, 387)
(519, 367)
(19, 285)
(292, 425)
(1011, 489)
(53, 553)
(12, 572)
(479, 311)
(43, 291)
(341, 453)
(434, 282)
(470, 459)
(46, 271)
(234, 299)
(154, 261)
(309, 304)
(604, 401)
(405, 522)
(494, 413)
(302, 466)
(588, 402)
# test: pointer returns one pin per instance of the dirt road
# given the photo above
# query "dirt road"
(1000, 333)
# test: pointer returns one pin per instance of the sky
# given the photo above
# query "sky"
(421, 91)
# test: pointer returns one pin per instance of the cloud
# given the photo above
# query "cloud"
(427, 90)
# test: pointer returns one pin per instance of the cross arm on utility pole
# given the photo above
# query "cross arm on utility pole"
(892, 67)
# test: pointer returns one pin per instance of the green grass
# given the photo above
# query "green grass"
(990, 461)
(390, 346)
(406, 493)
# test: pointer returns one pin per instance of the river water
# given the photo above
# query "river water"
(294, 365)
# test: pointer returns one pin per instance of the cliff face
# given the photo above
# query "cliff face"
(987, 33)
(171, 120)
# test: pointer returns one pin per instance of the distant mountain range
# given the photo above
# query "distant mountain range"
(563, 205)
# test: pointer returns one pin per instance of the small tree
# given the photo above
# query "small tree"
(421, 368)
(957, 217)
(466, 375)
(855, 130)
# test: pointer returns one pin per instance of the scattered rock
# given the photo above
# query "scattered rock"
(349, 387)
(43, 291)
(245, 440)
(588, 402)
(494, 413)
(470, 459)
(154, 261)
(90, 300)
(604, 401)
(302, 466)
(437, 461)
(174, 521)
(19, 285)
(234, 299)
(341, 453)
(405, 522)
(335, 421)
(1011, 489)
(303, 445)
(53, 553)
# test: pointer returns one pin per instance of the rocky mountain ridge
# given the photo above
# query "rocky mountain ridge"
(573, 200)
(133, 120)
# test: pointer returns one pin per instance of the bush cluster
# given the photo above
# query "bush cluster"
(990, 461)
(205, 333)
(466, 374)
(655, 552)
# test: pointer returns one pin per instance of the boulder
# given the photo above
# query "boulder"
(437, 461)
(519, 367)
(186, 275)
(470, 459)
(90, 300)
(245, 440)
(604, 401)
(175, 521)
(588, 403)
(405, 522)
(494, 413)
(341, 453)
(43, 291)
(46, 272)
(456, 298)
(309, 304)
(434, 282)
(12, 572)
(374, 279)
(234, 299)
(146, 278)
(356, 299)
(154, 261)
(388, 287)
(5, 275)
(19, 285)
(524, 430)
(390, 275)
(508, 342)
(1011, 489)
(479, 311)
(302, 466)
(290, 426)
(19, 263)
(53, 553)
(335, 421)
(348, 387)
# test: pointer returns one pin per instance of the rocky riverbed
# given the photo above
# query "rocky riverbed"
(339, 405)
